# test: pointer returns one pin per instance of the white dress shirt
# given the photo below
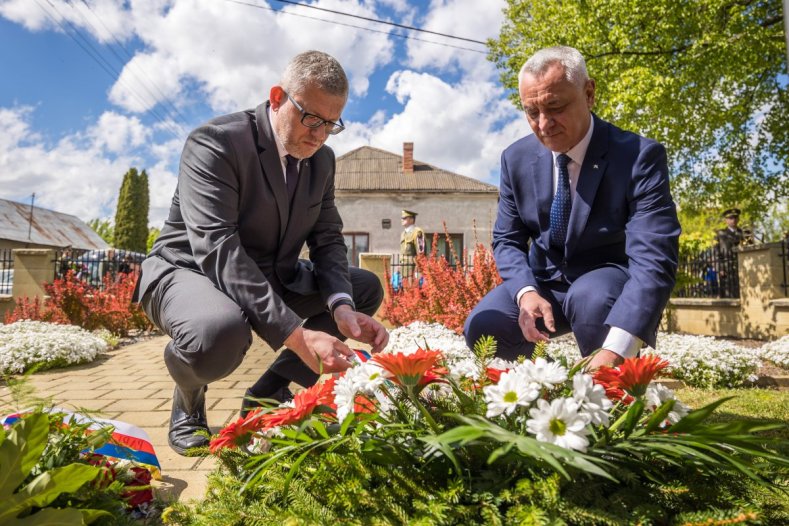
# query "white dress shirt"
(618, 340)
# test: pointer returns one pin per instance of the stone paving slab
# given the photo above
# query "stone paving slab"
(131, 384)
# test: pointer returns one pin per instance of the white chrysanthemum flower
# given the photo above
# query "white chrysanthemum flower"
(344, 396)
(543, 373)
(559, 422)
(366, 377)
(502, 365)
(657, 394)
(465, 368)
(591, 399)
(437, 391)
(513, 390)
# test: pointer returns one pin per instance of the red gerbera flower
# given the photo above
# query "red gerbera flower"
(304, 404)
(362, 404)
(494, 375)
(633, 375)
(236, 433)
(408, 370)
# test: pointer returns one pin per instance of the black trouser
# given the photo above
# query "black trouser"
(210, 333)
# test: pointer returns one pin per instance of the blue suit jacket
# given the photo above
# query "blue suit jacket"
(622, 214)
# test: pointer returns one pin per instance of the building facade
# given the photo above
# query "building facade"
(372, 186)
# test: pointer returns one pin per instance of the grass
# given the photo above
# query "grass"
(759, 404)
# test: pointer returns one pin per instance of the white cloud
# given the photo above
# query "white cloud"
(119, 133)
(103, 19)
(469, 19)
(234, 53)
(78, 174)
(462, 127)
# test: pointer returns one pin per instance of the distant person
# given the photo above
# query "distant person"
(586, 236)
(732, 236)
(253, 187)
(412, 242)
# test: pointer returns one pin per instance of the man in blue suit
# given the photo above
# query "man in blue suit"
(586, 237)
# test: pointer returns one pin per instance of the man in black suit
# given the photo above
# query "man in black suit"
(253, 187)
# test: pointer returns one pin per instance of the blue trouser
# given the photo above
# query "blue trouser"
(580, 307)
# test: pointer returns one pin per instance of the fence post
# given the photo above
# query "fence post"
(378, 264)
(32, 268)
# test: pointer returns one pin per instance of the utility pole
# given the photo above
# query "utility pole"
(32, 202)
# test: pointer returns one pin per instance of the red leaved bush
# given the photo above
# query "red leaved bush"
(445, 295)
(76, 302)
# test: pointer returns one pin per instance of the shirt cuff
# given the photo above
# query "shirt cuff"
(337, 296)
(623, 343)
(524, 290)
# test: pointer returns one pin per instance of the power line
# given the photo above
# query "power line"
(379, 21)
(407, 37)
(171, 108)
(88, 48)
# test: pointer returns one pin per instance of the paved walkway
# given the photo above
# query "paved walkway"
(131, 384)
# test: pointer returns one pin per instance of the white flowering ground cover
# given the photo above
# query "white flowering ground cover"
(24, 344)
(777, 352)
(699, 361)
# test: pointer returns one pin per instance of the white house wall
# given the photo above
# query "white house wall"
(363, 213)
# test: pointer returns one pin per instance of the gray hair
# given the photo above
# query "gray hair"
(569, 57)
(315, 68)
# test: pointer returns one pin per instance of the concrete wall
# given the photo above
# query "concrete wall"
(363, 213)
(761, 311)
(32, 268)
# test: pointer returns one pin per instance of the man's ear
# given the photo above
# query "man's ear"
(277, 97)
(590, 85)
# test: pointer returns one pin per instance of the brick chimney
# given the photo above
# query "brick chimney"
(408, 158)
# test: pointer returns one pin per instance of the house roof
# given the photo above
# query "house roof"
(47, 228)
(369, 169)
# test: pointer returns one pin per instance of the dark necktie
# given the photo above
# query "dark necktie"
(560, 208)
(291, 175)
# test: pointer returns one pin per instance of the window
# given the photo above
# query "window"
(443, 249)
(356, 243)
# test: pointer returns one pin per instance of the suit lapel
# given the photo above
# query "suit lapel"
(592, 171)
(272, 166)
(542, 178)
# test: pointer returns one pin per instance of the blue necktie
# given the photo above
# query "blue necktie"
(560, 208)
(291, 175)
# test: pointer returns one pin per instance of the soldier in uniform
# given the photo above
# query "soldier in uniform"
(728, 238)
(412, 242)
(731, 236)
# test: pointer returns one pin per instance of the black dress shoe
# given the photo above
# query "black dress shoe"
(187, 418)
(252, 402)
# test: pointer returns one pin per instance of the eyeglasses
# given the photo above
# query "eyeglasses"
(313, 121)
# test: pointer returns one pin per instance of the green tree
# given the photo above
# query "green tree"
(707, 78)
(153, 234)
(131, 216)
(104, 228)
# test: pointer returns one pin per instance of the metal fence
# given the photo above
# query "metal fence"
(710, 273)
(93, 265)
(6, 270)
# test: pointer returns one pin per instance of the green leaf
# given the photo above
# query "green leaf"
(20, 451)
(46, 487)
(659, 416)
(632, 416)
(694, 418)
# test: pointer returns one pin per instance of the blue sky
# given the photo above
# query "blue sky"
(72, 127)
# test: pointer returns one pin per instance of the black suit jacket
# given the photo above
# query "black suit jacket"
(231, 221)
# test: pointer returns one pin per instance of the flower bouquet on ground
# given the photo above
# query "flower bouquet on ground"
(460, 437)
